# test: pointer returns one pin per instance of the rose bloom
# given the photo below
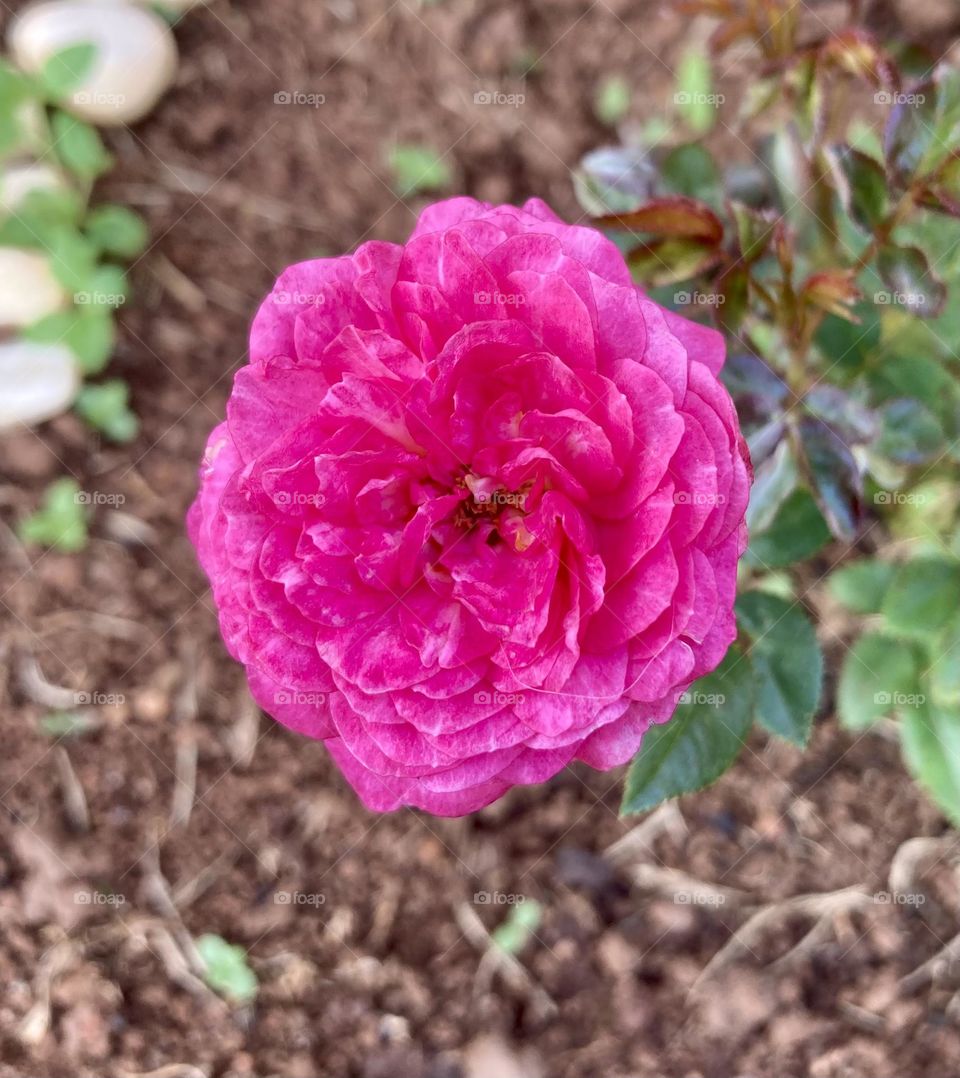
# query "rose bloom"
(476, 508)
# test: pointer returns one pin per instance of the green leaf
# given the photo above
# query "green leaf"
(787, 662)
(910, 433)
(88, 331)
(613, 100)
(79, 147)
(671, 260)
(797, 532)
(754, 231)
(690, 170)
(774, 481)
(42, 216)
(104, 407)
(17, 103)
(694, 98)
(72, 260)
(520, 924)
(108, 287)
(944, 671)
(835, 477)
(922, 597)
(865, 197)
(227, 971)
(61, 522)
(61, 724)
(923, 128)
(64, 71)
(912, 283)
(699, 743)
(117, 231)
(878, 675)
(862, 585)
(416, 168)
(930, 737)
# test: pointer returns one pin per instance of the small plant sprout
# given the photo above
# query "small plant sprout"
(227, 970)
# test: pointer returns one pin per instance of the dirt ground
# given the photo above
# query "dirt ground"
(180, 811)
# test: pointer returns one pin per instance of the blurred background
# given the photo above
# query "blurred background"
(187, 889)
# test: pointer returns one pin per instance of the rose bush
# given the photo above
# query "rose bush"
(476, 508)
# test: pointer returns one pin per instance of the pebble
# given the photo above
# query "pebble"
(39, 381)
(29, 290)
(18, 181)
(136, 59)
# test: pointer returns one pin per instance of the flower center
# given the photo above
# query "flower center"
(488, 500)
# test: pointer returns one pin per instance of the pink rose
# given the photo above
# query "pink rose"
(476, 508)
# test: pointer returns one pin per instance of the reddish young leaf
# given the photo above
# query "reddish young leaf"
(675, 216)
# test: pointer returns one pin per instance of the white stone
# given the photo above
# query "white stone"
(18, 181)
(136, 59)
(39, 382)
(28, 289)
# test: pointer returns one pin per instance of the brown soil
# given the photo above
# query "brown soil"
(383, 974)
